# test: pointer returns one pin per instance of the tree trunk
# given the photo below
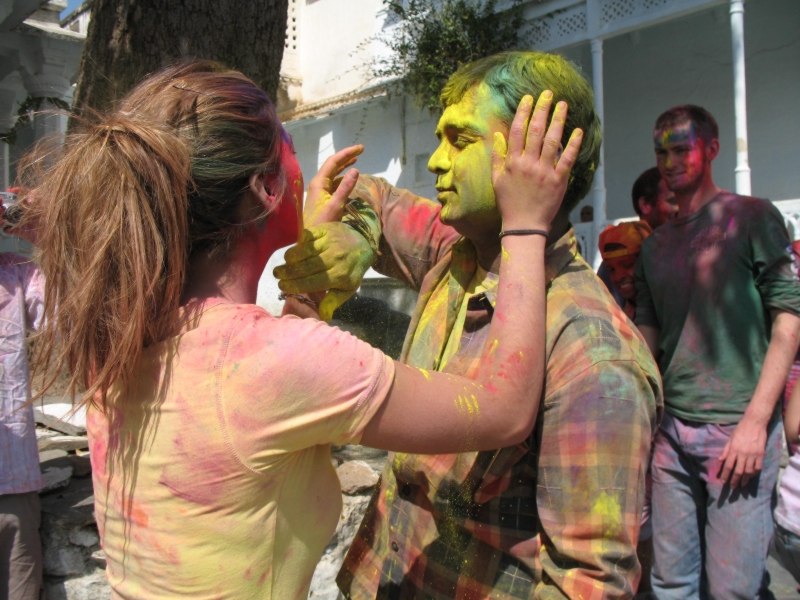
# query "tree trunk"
(128, 39)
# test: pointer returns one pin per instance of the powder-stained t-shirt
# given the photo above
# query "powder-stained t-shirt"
(215, 479)
(709, 282)
(21, 310)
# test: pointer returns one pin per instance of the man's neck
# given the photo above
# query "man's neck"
(690, 202)
(488, 250)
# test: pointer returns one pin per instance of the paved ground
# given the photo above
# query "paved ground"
(782, 583)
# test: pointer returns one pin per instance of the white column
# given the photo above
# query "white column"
(49, 122)
(599, 184)
(740, 98)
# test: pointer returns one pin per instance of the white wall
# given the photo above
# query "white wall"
(688, 60)
(331, 32)
(379, 125)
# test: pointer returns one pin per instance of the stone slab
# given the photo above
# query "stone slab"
(64, 442)
(81, 465)
(56, 478)
(356, 477)
(70, 507)
(62, 416)
(374, 458)
(43, 434)
(49, 455)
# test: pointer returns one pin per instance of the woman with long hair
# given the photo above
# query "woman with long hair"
(209, 420)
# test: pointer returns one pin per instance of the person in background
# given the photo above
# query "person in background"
(787, 511)
(655, 204)
(21, 309)
(620, 246)
(719, 304)
(652, 199)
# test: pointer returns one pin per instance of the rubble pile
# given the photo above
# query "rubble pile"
(73, 561)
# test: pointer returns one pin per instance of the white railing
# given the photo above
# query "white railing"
(559, 23)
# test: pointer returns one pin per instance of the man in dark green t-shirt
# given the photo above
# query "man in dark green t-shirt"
(718, 303)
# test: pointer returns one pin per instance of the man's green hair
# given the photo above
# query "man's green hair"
(511, 75)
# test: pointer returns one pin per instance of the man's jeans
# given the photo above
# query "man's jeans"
(702, 529)
(787, 547)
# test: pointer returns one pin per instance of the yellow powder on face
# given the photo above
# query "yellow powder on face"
(425, 374)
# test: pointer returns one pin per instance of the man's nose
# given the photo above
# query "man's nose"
(439, 162)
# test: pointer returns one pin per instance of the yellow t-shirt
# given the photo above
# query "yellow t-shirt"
(215, 479)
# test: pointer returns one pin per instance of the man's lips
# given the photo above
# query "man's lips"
(443, 194)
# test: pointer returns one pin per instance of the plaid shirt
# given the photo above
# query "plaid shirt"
(555, 517)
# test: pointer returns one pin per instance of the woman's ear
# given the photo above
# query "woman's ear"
(261, 188)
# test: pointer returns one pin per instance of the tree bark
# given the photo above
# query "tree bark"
(128, 39)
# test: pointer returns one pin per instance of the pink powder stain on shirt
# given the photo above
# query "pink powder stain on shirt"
(196, 475)
(419, 218)
(136, 513)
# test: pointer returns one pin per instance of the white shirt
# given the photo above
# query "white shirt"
(21, 308)
(787, 513)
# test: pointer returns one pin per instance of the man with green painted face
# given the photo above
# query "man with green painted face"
(559, 515)
(718, 302)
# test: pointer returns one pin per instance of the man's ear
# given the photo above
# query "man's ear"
(644, 206)
(712, 149)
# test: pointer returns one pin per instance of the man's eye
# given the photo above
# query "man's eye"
(462, 140)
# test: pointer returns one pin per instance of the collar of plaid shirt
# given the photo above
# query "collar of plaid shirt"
(443, 291)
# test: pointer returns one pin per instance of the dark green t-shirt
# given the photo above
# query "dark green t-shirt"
(709, 281)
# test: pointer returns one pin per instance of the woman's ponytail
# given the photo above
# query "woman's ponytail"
(128, 204)
(112, 217)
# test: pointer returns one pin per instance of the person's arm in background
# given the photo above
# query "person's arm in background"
(743, 455)
(651, 335)
(646, 319)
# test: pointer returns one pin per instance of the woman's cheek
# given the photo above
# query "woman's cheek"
(287, 222)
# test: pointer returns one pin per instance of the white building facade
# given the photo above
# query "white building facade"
(739, 60)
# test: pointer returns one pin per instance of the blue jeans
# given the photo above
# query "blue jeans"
(787, 547)
(709, 541)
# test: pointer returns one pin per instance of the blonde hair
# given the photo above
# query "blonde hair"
(130, 200)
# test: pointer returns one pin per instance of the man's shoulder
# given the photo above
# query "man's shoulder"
(583, 317)
(746, 207)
